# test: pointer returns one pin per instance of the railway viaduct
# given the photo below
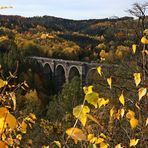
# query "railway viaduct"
(62, 71)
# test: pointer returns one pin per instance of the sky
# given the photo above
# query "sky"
(71, 9)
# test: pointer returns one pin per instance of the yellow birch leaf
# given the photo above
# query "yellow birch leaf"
(80, 112)
(103, 136)
(23, 127)
(92, 118)
(99, 69)
(11, 121)
(57, 143)
(144, 40)
(19, 137)
(76, 134)
(142, 92)
(133, 142)
(133, 122)
(103, 145)
(90, 89)
(121, 99)
(3, 144)
(3, 112)
(102, 102)
(99, 140)
(10, 141)
(112, 111)
(118, 146)
(146, 52)
(93, 140)
(4, 137)
(130, 114)
(122, 112)
(33, 116)
(90, 136)
(137, 78)
(134, 46)
(109, 81)
(118, 114)
(2, 120)
(146, 123)
(92, 98)
(3, 83)
(85, 89)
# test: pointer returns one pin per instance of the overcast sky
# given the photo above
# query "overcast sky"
(72, 9)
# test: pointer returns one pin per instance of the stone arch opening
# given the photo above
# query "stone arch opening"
(73, 72)
(92, 77)
(59, 77)
(47, 71)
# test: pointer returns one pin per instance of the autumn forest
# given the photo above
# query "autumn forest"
(109, 112)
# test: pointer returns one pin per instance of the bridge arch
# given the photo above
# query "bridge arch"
(60, 76)
(48, 71)
(73, 71)
(91, 76)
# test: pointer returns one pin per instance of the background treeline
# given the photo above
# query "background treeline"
(67, 39)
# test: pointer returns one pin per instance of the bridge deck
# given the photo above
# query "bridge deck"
(65, 61)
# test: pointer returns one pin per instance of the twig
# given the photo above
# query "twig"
(75, 123)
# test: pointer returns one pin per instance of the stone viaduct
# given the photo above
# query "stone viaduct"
(62, 71)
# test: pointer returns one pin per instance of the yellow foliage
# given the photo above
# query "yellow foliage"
(137, 78)
(122, 112)
(76, 134)
(92, 98)
(3, 112)
(3, 83)
(80, 112)
(112, 111)
(99, 140)
(134, 46)
(142, 92)
(109, 81)
(133, 122)
(118, 146)
(88, 89)
(99, 69)
(19, 137)
(121, 99)
(90, 136)
(6, 118)
(23, 127)
(11, 121)
(102, 102)
(133, 142)
(92, 118)
(144, 40)
(57, 143)
(103, 145)
(3, 144)
(130, 114)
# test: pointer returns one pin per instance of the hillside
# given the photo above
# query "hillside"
(67, 39)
